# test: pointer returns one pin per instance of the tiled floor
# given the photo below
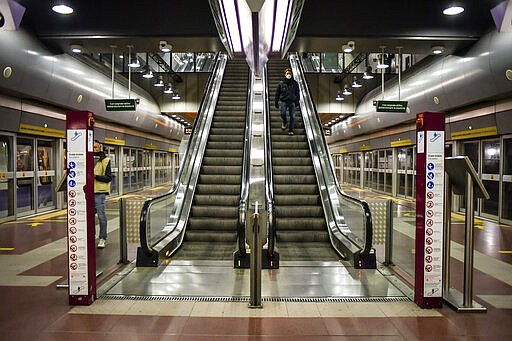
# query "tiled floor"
(33, 261)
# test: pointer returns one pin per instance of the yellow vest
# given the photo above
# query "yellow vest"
(99, 169)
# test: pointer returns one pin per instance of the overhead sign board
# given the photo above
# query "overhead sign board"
(391, 106)
(120, 104)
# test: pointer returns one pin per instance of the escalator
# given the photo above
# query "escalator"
(198, 219)
(212, 224)
(301, 231)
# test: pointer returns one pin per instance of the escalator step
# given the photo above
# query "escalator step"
(215, 212)
(301, 223)
(212, 224)
(297, 199)
(205, 236)
(295, 189)
(218, 189)
(298, 211)
(302, 236)
(219, 200)
(221, 170)
(220, 179)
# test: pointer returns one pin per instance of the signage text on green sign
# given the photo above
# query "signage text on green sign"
(391, 106)
(120, 104)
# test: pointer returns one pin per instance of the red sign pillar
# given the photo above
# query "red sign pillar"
(80, 194)
(430, 141)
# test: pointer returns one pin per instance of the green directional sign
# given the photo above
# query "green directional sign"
(391, 106)
(120, 104)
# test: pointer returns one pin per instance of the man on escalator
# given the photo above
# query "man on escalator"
(288, 93)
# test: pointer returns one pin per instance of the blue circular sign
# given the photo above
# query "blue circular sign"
(71, 164)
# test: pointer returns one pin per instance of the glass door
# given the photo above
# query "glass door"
(491, 177)
(401, 171)
(368, 170)
(112, 152)
(24, 176)
(506, 200)
(6, 177)
(471, 149)
(45, 175)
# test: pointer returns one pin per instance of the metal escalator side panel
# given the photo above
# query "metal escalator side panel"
(355, 246)
(170, 236)
(245, 183)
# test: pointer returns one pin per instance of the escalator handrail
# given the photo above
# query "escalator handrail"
(190, 154)
(330, 168)
(246, 168)
(269, 180)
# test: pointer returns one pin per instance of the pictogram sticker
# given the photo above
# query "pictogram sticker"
(429, 249)
(429, 222)
(430, 195)
(428, 268)
(430, 204)
(430, 213)
(429, 231)
(429, 241)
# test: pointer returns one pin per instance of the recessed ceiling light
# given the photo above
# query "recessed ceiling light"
(437, 49)
(62, 9)
(453, 10)
(76, 48)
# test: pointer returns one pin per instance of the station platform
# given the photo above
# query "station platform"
(33, 263)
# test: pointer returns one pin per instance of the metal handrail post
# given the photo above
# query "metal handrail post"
(469, 246)
(447, 233)
(123, 244)
(255, 272)
(388, 252)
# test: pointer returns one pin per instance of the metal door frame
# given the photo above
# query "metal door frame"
(34, 190)
(500, 177)
(12, 177)
(54, 143)
(502, 180)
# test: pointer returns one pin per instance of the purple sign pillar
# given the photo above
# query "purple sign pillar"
(80, 194)
(430, 141)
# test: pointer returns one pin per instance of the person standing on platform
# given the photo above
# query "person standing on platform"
(102, 179)
(288, 93)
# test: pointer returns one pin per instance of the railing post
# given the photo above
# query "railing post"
(388, 253)
(447, 232)
(255, 272)
(469, 245)
(123, 245)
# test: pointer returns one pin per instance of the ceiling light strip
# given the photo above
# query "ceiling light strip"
(281, 19)
(229, 9)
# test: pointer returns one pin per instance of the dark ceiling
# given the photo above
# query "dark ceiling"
(324, 26)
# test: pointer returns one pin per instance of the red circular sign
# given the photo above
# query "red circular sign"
(429, 241)
(428, 267)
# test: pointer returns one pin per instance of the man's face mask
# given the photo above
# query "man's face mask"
(288, 75)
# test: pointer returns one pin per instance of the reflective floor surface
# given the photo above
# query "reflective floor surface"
(33, 260)
(219, 279)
